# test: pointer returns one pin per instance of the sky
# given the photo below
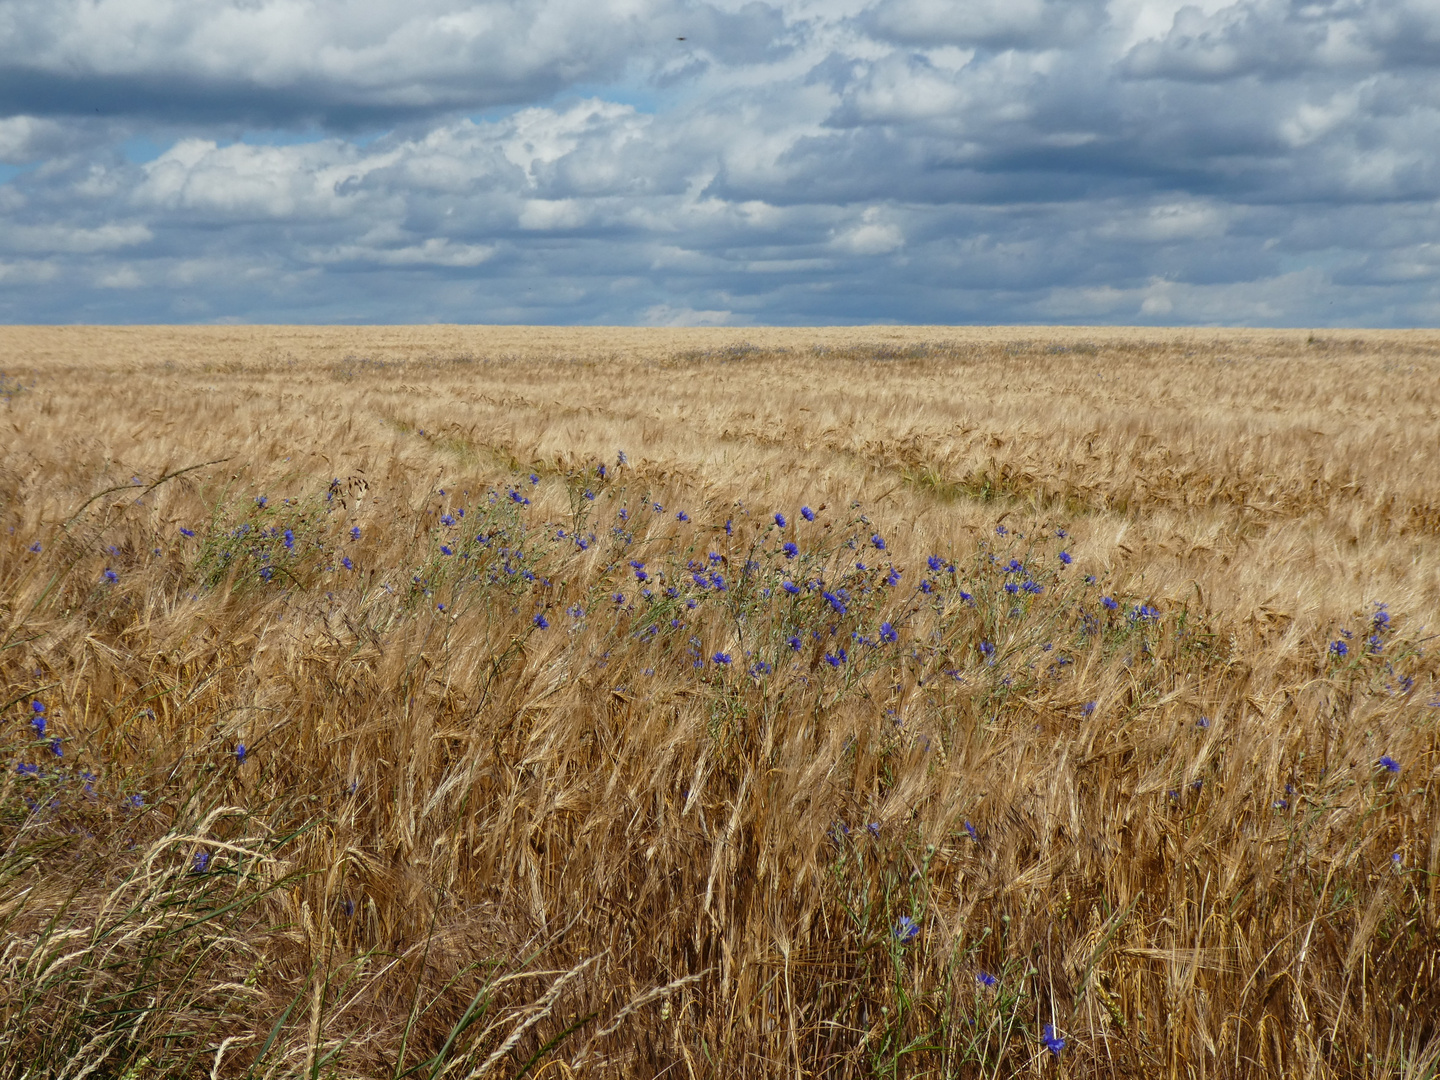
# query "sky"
(720, 162)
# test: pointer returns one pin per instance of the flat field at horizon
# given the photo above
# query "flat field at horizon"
(916, 701)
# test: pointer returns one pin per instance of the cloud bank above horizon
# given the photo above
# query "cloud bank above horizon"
(725, 162)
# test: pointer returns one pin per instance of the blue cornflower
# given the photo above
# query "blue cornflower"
(935, 563)
(780, 520)
(1391, 765)
(447, 520)
(27, 770)
(1011, 587)
(970, 830)
(202, 860)
(445, 549)
(345, 562)
(542, 622)
(186, 532)
(600, 471)
(240, 753)
(893, 578)
(790, 587)
(985, 979)
(1108, 603)
(721, 658)
(906, 929)
(987, 649)
(1145, 613)
(1061, 533)
(624, 514)
(261, 501)
(790, 550)
(761, 668)
(1339, 648)
(1015, 566)
(37, 706)
(1033, 587)
(355, 532)
(111, 576)
(682, 516)
(794, 642)
(55, 748)
(1065, 558)
(1053, 1042)
(289, 539)
(1000, 530)
(534, 479)
(621, 459)
(878, 541)
(834, 601)
(1087, 709)
(807, 513)
(838, 657)
(619, 598)
(887, 632)
(729, 527)
(590, 495)
(35, 548)
(38, 723)
(658, 508)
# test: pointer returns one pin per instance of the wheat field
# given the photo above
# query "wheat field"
(913, 702)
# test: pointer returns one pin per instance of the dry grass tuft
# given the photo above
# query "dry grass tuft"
(1090, 728)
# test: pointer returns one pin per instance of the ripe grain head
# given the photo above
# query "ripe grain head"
(1161, 824)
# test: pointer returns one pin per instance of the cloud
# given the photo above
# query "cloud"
(343, 63)
(121, 277)
(665, 315)
(28, 272)
(431, 252)
(63, 239)
(997, 23)
(871, 235)
(24, 139)
(788, 162)
(1280, 37)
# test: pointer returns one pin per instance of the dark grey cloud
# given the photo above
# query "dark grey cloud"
(787, 162)
(341, 63)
